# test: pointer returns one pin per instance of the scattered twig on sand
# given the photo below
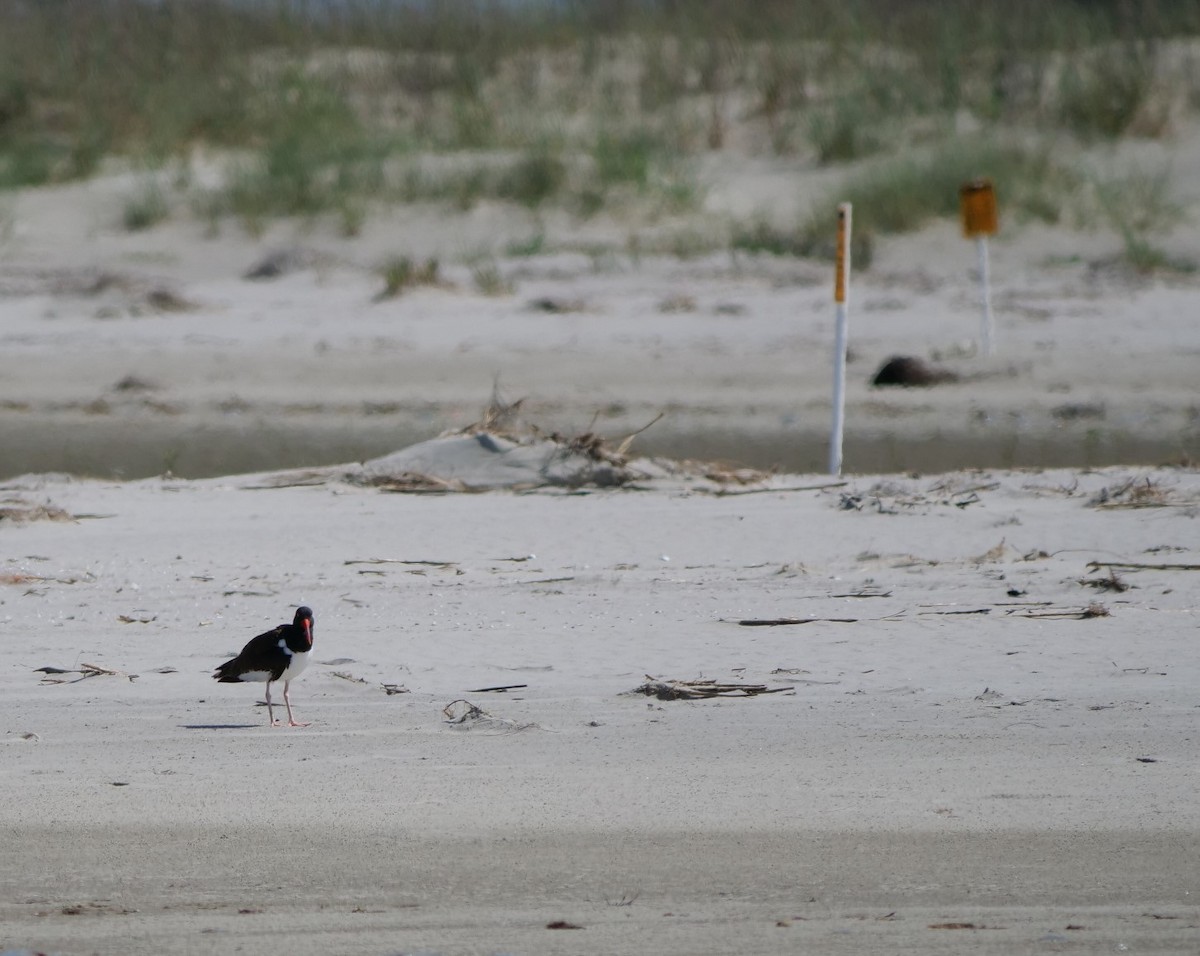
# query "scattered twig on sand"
(127, 619)
(948, 487)
(19, 577)
(623, 447)
(432, 564)
(724, 491)
(1092, 610)
(415, 566)
(463, 715)
(85, 670)
(1110, 583)
(1134, 493)
(461, 710)
(346, 675)
(777, 621)
(393, 689)
(498, 690)
(701, 689)
(1134, 566)
(1062, 489)
(867, 591)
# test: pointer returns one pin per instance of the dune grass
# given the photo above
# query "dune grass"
(146, 207)
(1140, 205)
(893, 196)
(904, 194)
(401, 273)
(322, 105)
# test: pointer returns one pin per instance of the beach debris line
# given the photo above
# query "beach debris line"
(52, 675)
(1136, 493)
(502, 451)
(19, 511)
(889, 496)
(701, 689)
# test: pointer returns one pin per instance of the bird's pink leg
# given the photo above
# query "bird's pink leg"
(271, 713)
(286, 700)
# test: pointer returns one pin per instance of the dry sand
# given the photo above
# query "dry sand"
(963, 758)
(961, 743)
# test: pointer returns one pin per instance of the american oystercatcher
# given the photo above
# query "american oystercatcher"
(279, 654)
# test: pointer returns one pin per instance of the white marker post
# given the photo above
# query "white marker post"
(840, 284)
(977, 202)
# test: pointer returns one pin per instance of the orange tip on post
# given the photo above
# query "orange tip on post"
(977, 203)
(843, 253)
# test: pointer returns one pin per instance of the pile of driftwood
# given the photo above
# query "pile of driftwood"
(701, 689)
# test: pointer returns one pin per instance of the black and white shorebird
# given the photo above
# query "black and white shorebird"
(279, 654)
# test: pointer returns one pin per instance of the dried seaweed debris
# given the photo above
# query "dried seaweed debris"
(701, 689)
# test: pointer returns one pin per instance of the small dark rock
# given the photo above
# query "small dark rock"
(906, 371)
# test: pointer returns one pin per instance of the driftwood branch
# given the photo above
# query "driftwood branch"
(84, 670)
(433, 564)
(1133, 566)
(777, 621)
(497, 690)
(1083, 614)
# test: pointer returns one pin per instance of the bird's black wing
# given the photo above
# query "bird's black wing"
(258, 649)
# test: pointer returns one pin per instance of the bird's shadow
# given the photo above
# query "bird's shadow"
(219, 726)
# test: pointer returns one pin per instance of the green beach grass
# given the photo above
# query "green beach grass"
(334, 109)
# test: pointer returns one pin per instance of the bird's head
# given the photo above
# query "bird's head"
(304, 619)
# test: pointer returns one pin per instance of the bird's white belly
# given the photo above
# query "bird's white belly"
(296, 665)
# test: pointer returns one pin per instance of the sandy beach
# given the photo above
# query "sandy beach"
(973, 736)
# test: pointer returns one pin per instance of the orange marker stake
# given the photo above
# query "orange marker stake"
(841, 284)
(977, 203)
